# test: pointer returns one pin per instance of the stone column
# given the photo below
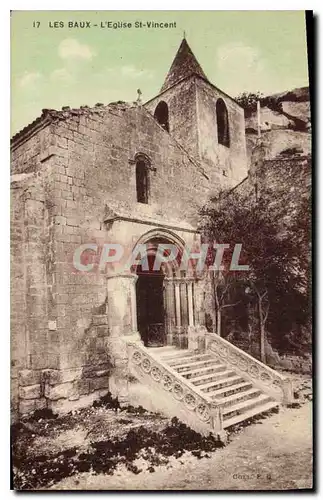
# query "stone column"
(122, 309)
(184, 304)
(122, 319)
(198, 287)
(192, 332)
(170, 309)
(178, 305)
(190, 303)
(197, 333)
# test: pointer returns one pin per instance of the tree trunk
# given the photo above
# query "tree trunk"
(261, 331)
(218, 321)
(217, 307)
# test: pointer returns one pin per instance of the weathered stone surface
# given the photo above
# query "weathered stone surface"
(82, 386)
(40, 404)
(54, 377)
(96, 371)
(59, 391)
(29, 377)
(99, 383)
(62, 406)
(30, 392)
(100, 319)
(27, 406)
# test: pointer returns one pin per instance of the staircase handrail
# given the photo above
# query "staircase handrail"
(174, 382)
(253, 368)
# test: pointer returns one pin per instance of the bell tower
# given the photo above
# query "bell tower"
(205, 121)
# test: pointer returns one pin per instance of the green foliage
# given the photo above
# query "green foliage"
(272, 103)
(248, 101)
(277, 257)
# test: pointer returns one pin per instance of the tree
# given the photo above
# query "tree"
(273, 257)
(248, 101)
(221, 284)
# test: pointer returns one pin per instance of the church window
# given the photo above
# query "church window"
(222, 121)
(142, 181)
(161, 115)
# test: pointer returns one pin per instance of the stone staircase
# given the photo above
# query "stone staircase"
(238, 396)
(210, 386)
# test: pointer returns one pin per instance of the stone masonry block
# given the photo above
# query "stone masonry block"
(29, 377)
(82, 386)
(99, 383)
(100, 319)
(27, 406)
(94, 358)
(73, 221)
(30, 392)
(40, 404)
(60, 220)
(62, 406)
(96, 371)
(59, 391)
(54, 377)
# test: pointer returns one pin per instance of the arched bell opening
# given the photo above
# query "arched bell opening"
(162, 115)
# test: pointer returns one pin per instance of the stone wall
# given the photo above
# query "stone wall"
(276, 141)
(32, 272)
(227, 166)
(287, 177)
(192, 122)
(181, 101)
(101, 177)
(82, 190)
(19, 339)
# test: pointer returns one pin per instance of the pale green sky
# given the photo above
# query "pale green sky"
(238, 50)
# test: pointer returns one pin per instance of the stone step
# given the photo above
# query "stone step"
(239, 397)
(244, 406)
(225, 382)
(216, 375)
(176, 354)
(189, 367)
(250, 413)
(168, 350)
(186, 360)
(228, 391)
(202, 373)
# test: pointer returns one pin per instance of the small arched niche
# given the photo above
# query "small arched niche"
(222, 121)
(161, 115)
(142, 178)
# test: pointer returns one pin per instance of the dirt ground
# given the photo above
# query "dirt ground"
(136, 450)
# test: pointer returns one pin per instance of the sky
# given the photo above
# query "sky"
(239, 51)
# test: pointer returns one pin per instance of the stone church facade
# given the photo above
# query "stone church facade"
(126, 174)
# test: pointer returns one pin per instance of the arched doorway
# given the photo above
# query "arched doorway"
(150, 305)
(160, 316)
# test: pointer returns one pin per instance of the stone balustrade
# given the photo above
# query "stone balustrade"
(200, 412)
(264, 377)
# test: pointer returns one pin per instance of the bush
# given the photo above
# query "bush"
(248, 101)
